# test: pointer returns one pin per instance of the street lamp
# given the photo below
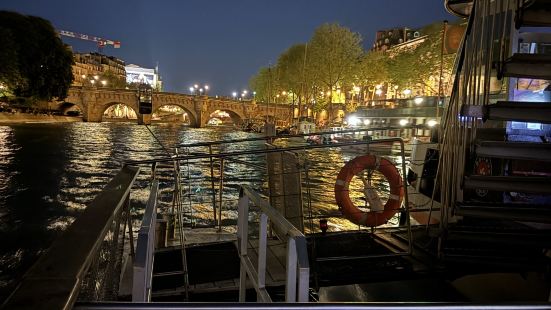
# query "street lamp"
(197, 90)
(103, 83)
(234, 95)
(407, 91)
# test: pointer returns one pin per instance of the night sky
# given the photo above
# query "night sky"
(218, 42)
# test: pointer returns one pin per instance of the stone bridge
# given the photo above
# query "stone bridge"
(93, 102)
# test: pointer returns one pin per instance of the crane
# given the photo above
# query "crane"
(100, 41)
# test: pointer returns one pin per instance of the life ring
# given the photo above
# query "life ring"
(357, 165)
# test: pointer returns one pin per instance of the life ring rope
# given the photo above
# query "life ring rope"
(353, 168)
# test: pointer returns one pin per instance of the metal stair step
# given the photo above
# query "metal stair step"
(531, 66)
(537, 14)
(540, 185)
(507, 211)
(522, 111)
(514, 150)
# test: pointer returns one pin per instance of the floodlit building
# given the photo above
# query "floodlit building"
(137, 74)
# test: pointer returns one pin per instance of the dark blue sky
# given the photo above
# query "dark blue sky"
(219, 42)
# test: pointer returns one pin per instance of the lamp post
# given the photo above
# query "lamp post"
(196, 89)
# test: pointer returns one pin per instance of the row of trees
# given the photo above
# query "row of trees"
(333, 65)
(34, 62)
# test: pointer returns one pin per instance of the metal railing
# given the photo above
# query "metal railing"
(213, 176)
(84, 263)
(297, 266)
(145, 249)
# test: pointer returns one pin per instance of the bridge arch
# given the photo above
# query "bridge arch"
(190, 116)
(224, 114)
(70, 108)
(119, 110)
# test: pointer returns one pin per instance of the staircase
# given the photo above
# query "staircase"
(503, 197)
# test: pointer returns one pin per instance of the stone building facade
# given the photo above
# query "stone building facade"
(89, 65)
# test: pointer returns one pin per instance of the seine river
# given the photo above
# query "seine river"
(49, 172)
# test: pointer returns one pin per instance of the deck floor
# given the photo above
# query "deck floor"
(275, 269)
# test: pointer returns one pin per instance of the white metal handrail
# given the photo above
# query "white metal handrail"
(145, 250)
(297, 267)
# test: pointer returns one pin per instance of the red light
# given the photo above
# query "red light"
(323, 225)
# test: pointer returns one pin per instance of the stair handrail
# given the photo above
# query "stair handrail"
(297, 266)
(145, 250)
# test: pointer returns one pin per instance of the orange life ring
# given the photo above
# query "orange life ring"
(355, 166)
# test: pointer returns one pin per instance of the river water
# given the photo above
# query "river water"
(49, 172)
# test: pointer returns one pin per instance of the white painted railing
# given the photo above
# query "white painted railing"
(298, 270)
(145, 250)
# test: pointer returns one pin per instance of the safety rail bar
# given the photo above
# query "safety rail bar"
(307, 306)
(219, 142)
(55, 279)
(297, 267)
(262, 151)
(145, 249)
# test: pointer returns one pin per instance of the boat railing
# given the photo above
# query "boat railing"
(145, 248)
(85, 262)
(297, 266)
(210, 179)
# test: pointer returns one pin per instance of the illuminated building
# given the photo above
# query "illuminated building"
(137, 74)
(385, 39)
(88, 65)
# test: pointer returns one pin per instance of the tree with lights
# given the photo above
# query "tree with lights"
(335, 54)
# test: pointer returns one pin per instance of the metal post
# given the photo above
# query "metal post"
(291, 285)
(220, 193)
(262, 248)
(130, 232)
(212, 184)
(242, 239)
(406, 200)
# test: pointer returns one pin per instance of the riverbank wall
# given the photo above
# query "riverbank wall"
(21, 118)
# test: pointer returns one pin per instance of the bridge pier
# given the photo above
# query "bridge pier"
(144, 119)
(200, 105)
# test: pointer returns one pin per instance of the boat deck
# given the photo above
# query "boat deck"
(218, 272)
